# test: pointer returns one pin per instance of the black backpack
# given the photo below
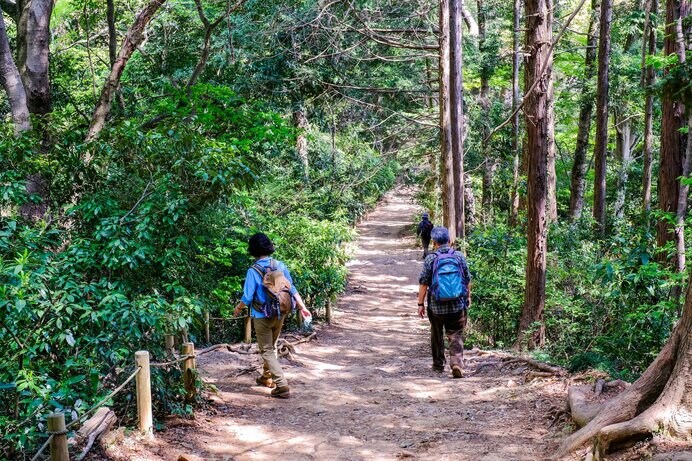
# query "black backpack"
(425, 232)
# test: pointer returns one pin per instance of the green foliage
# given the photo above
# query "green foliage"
(152, 233)
(608, 304)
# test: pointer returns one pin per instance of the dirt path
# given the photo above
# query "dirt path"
(365, 389)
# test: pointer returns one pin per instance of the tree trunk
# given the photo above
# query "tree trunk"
(600, 150)
(33, 47)
(538, 39)
(446, 157)
(489, 164)
(470, 202)
(624, 147)
(11, 81)
(551, 193)
(134, 37)
(457, 113)
(300, 121)
(681, 212)
(468, 20)
(516, 140)
(648, 78)
(659, 401)
(578, 184)
(112, 34)
(682, 32)
(673, 117)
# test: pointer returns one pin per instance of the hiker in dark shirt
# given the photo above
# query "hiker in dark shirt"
(423, 231)
(445, 315)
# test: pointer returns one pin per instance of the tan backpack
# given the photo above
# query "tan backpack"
(277, 288)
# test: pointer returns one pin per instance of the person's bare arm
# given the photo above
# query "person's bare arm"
(422, 291)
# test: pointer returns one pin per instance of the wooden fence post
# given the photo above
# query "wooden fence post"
(248, 329)
(328, 313)
(58, 444)
(145, 419)
(189, 370)
(170, 343)
(207, 335)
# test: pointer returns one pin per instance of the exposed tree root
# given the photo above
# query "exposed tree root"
(536, 364)
(659, 401)
(625, 405)
(578, 404)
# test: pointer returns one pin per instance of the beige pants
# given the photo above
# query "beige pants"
(267, 331)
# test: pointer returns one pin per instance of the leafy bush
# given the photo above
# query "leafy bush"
(149, 235)
(608, 304)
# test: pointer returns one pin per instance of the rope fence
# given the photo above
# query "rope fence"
(57, 430)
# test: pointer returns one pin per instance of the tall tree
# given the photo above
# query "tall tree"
(578, 183)
(447, 157)
(600, 150)
(551, 192)
(647, 81)
(516, 141)
(623, 130)
(11, 81)
(489, 161)
(133, 38)
(673, 118)
(456, 101)
(538, 68)
(33, 46)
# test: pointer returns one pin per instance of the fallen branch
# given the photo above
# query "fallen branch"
(93, 428)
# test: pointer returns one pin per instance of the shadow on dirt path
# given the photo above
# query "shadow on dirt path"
(365, 390)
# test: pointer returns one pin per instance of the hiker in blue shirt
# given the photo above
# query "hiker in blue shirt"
(423, 231)
(446, 283)
(267, 329)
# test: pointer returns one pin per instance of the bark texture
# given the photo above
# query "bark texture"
(623, 127)
(673, 118)
(11, 81)
(551, 192)
(300, 121)
(578, 183)
(446, 157)
(648, 79)
(489, 164)
(538, 39)
(112, 33)
(134, 38)
(469, 20)
(516, 140)
(600, 150)
(33, 47)
(456, 101)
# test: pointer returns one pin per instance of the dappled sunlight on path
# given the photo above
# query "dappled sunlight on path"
(365, 389)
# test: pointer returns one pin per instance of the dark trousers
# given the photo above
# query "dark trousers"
(453, 325)
(426, 244)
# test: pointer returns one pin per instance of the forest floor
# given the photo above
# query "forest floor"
(365, 389)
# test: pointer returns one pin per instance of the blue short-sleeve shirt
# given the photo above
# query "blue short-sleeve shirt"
(253, 290)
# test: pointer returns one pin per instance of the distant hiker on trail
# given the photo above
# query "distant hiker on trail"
(269, 290)
(445, 282)
(424, 228)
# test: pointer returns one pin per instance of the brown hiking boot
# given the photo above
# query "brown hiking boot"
(262, 381)
(281, 392)
(456, 372)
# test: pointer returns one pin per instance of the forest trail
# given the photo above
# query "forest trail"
(365, 390)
